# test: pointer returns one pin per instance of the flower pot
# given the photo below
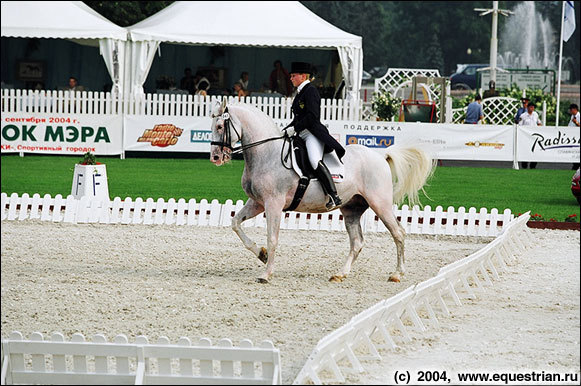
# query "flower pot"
(90, 180)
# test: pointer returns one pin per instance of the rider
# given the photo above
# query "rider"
(306, 109)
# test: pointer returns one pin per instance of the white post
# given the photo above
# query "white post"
(449, 113)
(494, 41)
(544, 119)
(514, 150)
(560, 62)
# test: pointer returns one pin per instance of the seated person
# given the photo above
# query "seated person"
(238, 91)
(244, 81)
(74, 85)
(187, 82)
(202, 87)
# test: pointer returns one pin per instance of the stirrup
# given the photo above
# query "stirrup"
(333, 202)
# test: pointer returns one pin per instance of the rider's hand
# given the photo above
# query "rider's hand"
(290, 131)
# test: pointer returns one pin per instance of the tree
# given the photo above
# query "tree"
(363, 18)
(126, 13)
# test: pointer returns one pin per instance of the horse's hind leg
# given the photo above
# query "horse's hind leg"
(384, 210)
(251, 209)
(352, 217)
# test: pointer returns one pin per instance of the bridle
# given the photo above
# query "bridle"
(226, 141)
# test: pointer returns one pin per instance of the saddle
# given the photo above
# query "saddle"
(301, 165)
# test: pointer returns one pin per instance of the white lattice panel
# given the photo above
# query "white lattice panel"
(396, 76)
(497, 111)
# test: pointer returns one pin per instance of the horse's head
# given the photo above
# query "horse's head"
(224, 135)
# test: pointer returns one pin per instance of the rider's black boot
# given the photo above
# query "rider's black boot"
(326, 180)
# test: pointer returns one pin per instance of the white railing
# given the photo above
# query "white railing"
(421, 305)
(204, 213)
(77, 361)
(96, 103)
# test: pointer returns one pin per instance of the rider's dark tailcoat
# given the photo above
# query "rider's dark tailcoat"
(307, 116)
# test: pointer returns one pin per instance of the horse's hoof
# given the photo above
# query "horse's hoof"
(262, 280)
(263, 256)
(395, 277)
(337, 278)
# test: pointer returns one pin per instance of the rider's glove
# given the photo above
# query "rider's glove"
(290, 131)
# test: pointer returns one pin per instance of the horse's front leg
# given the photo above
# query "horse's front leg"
(251, 209)
(273, 211)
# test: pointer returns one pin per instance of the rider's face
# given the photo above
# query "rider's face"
(297, 79)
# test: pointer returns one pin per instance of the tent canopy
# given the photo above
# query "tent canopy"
(56, 19)
(72, 20)
(286, 24)
(242, 23)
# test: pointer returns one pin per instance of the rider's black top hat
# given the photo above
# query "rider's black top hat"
(301, 68)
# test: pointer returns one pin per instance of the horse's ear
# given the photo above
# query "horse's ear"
(223, 105)
(217, 109)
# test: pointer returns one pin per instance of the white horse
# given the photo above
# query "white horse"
(271, 187)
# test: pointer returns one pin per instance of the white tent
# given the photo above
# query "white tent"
(286, 24)
(72, 20)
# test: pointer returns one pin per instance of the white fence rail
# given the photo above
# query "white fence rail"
(95, 103)
(204, 213)
(56, 361)
(382, 325)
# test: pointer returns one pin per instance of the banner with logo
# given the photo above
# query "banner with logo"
(167, 134)
(62, 133)
(446, 141)
(548, 144)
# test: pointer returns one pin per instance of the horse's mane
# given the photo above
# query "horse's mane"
(255, 112)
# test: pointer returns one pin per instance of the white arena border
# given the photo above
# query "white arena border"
(381, 320)
(204, 213)
(136, 363)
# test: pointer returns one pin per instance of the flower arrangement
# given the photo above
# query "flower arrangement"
(571, 218)
(385, 106)
(536, 217)
(89, 159)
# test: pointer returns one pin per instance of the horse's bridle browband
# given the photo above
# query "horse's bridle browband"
(227, 136)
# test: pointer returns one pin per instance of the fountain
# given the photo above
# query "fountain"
(527, 40)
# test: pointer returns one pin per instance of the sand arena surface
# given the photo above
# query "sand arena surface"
(159, 280)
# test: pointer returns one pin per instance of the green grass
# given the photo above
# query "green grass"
(546, 192)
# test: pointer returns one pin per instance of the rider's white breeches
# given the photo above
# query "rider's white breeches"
(315, 148)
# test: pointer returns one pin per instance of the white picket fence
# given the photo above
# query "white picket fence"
(96, 103)
(204, 213)
(380, 326)
(56, 361)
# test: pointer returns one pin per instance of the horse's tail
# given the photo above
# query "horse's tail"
(411, 167)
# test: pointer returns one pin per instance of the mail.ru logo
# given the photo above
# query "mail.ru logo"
(370, 140)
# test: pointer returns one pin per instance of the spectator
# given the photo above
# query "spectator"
(530, 118)
(199, 78)
(491, 92)
(280, 80)
(525, 102)
(244, 81)
(474, 111)
(574, 122)
(74, 85)
(238, 91)
(187, 82)
(575, 116)
(202, 87)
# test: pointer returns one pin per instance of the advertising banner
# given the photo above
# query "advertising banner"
(62, 133)
(548, 144)
(167, 134)
(445, 141)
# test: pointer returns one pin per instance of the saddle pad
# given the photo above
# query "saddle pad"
(331, 160)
